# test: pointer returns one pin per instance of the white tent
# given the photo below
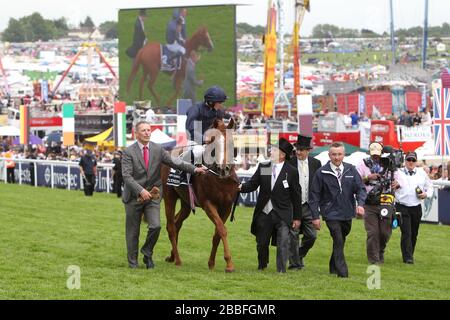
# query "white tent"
(9, 131)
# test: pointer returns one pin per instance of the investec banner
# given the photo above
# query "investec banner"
(61, 177)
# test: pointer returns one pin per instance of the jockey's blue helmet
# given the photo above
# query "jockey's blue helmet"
(215, 94)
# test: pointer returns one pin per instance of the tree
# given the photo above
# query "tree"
(39, 28)
(88, 23)
(367, 33)
(109, 29)
(15, 31)
(325, 31)
(61, 27)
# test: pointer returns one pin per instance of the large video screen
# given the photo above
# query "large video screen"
(200, 52)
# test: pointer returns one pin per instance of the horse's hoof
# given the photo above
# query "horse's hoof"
(178, 263)
(170, 259)
(229, 270)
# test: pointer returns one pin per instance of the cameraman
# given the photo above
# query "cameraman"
(377, 220)
(418, 186)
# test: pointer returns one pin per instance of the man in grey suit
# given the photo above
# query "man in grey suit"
(141, 166)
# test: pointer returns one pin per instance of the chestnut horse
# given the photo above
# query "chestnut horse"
(215, 193)
(150, 58)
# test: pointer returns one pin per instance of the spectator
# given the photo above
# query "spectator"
(88, 169)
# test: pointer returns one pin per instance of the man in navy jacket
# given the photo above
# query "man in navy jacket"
(336, 189)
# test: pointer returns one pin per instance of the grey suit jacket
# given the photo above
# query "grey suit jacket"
(136, 177)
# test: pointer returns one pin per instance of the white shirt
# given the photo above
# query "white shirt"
(303, 177)
(406, 195)
(334, 168)
(278, 166)
(141, 146)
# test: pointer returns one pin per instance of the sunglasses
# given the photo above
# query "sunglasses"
(411, 159)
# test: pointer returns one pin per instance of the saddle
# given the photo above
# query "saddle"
(170, 61)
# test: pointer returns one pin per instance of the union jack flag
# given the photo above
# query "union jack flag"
(441, 111)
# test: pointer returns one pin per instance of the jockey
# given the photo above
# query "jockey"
(201, 116)
(176, 33)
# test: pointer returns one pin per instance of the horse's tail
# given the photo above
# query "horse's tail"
(134, 70)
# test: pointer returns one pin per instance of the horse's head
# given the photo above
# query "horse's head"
(220, 149)
(200, 38)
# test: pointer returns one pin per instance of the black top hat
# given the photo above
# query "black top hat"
(303, 142)
(142, 13)
(286, 147)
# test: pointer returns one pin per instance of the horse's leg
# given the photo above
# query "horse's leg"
(151, 83)
(220, 232)
(170, 200)
(141, 84)
(223, 213)
(182, 215)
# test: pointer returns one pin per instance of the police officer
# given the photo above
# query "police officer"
(417, 187)
(88, 169)
(201, 116)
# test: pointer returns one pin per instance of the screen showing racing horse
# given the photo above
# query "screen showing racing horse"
(167, 54)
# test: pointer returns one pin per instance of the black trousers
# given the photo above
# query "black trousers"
(338, 231)
(117, 185)
(297, 250)
(89, 184)
(411, 217)
(10, 177)
(266, 224)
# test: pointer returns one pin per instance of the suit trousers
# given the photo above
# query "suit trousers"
(379, 232)
(134, 211)
(89, 184)
(266, 223)
(411, 217)
(338, 231)
(296, 251)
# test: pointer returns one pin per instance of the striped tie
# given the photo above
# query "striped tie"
(339, 173)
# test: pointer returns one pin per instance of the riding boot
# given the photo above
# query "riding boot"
(150, 242)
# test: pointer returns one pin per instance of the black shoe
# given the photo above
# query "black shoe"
(302, 265)
(262, 266)
(149, 262)
(294, 267)
(409, 261)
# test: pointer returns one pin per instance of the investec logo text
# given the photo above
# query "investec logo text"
(60, 179)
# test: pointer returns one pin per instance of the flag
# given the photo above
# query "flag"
(68, 124)
(296, 61)
(445, 78)
(441, 123)
(120, 124)
(24, 125)
(270, 59)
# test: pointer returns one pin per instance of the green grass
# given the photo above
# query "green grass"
(217, 67)
(44, 231)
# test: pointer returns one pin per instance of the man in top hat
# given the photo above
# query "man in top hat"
(378, 216)
(278, 204)
(306, 166)
(139, 37)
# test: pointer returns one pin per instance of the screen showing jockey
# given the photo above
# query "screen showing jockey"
(176, 32)
(201, 116)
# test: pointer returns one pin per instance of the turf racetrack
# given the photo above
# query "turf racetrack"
(44, 231)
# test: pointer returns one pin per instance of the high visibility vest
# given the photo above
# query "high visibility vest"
(9, 163)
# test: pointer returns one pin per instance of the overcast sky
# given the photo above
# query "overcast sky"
(356, 14)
